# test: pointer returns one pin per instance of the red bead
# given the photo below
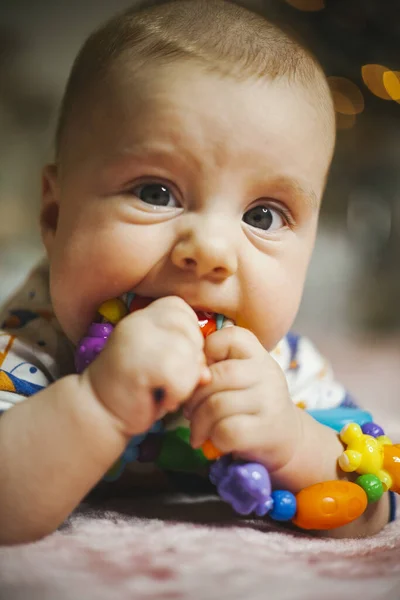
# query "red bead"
(207, 323)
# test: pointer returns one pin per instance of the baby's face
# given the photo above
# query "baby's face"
(192, 185)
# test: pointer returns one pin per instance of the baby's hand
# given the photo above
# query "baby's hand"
(151, 364)
(246, 408)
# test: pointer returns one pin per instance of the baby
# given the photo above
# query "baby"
(192, 152)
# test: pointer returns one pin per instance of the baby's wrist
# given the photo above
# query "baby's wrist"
(90, 395)
(95, 434)
(315, 458)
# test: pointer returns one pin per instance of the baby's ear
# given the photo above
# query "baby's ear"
(50, 205)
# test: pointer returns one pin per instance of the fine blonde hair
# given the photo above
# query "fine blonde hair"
(221, 36)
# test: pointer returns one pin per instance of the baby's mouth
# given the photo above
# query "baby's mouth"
(209, 321)
(112, 311)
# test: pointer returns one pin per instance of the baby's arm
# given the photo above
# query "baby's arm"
(54, 448)
(313, 385)
(247, 409)
(56, 445)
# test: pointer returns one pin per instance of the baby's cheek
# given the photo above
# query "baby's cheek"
(80, 281)
(271, 313)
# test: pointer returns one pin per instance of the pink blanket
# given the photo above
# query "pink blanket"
(180, 547)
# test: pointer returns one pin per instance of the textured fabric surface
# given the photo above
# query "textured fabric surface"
(197, 549)
(179, 547)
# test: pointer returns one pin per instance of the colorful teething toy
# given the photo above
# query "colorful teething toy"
(246, 486)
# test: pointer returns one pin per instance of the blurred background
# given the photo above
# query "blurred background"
(352, 297)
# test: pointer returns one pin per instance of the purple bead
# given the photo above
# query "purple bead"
(245, 486)
(100, 330)
(92, 344)
(219, 469)
(372, 429)
(262, 509)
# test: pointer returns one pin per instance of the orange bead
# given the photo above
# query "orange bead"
(207, 323)
(210, 451)
(329, 504)
(391, 464)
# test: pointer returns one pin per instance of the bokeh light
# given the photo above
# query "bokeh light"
(373, 78)
(343, 104)
(307, 5)
(344, 122)
(348, 101)
(347, 97)
(391, 81)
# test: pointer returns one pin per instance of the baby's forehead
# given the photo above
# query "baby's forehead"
(183, 109)
(177, 84)
(221, 37)
(189, 121)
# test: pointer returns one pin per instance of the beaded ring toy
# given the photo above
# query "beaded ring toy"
(246, 486)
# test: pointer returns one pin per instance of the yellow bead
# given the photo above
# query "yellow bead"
(349, 461)
(364, 453)
(350, 433)
(384, 440)
(386, 479)
(113, 310)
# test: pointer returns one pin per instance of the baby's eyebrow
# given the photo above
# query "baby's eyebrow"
(165, 153)
(298, 189)
(139, 151)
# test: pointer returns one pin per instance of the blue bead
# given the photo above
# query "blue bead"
(219, 321)
(285, 505)
(337, 418)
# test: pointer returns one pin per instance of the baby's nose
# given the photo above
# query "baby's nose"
(206, 253)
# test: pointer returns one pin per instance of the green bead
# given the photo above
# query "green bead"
(372, 486)
(177, 454)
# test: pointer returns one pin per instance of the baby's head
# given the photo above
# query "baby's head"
(192, 151)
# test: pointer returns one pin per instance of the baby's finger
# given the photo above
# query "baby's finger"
(175, 314)
(225, 375)
(238, 433)
(205, 376)
(217, 408)
(232, 343)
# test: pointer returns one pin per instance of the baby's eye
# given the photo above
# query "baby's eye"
(156, 194)
(264, 217)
